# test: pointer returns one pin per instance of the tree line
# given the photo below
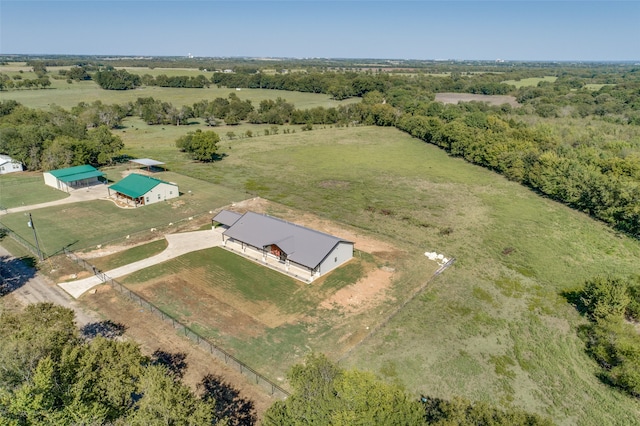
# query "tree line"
(55, 374)
(46, 140)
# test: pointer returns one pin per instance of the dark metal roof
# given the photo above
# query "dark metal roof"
(302, 245)
(227, 217)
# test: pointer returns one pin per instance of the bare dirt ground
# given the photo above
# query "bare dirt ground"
(454, 98)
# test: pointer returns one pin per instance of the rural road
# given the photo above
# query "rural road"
(179, 244)
(30, 287)
(95, 192)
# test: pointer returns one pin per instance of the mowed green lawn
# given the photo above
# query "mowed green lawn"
(86, 224)
(23, 189)
(493, 327)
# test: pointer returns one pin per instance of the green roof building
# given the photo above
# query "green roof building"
(139, 190)
(73, 177)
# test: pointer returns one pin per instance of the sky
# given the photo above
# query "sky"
(561, 30)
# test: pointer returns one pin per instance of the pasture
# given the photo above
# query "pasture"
(495, 326)
(68, 95)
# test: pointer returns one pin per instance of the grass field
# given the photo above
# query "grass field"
(23, 189)
(125, 257)
(91, 223)
(496, 326)
(68, 95)
(533, 81)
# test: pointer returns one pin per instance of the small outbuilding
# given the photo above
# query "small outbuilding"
(139, 190)
(299, 251)
(73, 177)
(9, 165)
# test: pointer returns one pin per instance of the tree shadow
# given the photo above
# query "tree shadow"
(175, 362)
(107, 329)
(16, 272)
(228, 403)
(574, 298)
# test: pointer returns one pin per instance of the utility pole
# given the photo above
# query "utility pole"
(32, 226)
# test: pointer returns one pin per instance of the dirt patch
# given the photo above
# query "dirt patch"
(199, 299)
(497, 100)
(152, 334)
(366, 293)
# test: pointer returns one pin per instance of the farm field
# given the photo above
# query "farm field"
(68, 95)
(496, 325)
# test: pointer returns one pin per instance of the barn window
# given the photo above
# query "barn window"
(147, 199)
(335, 259)
(158, 196)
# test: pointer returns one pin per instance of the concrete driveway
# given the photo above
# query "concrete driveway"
(178, 244)
(95, 192)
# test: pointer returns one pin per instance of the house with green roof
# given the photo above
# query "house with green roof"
(139, 190)
(73, 177)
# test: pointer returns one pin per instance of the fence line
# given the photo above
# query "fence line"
(183, 329)
(26, 244)
(397, 310)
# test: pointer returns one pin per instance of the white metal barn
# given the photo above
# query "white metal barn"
(73, 177)
(302, 252)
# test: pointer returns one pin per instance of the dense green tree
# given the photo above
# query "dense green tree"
(326, 394)
(40, 331)
(50, 376)
(202, 146)
(111, 79)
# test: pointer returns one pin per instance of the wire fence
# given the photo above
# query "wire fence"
(184, 330)
(17, 238)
